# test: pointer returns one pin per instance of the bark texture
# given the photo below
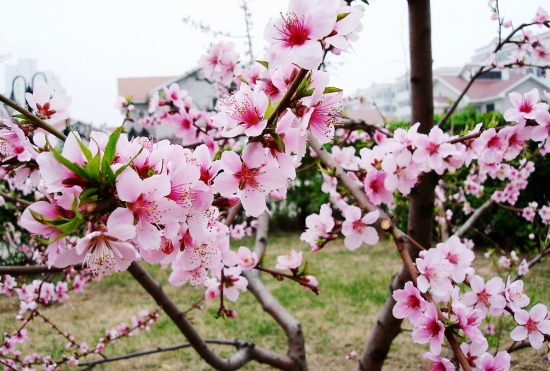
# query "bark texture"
(420, 221)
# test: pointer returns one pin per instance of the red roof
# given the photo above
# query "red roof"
(369, 116)
(138, 87)
(481, 89)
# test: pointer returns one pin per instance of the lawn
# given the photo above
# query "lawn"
(354, 285)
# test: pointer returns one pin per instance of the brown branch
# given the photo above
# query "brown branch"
(451, 110)
(480, 72)
(40, 123)
(287, 98)
(91, 364)
(232, 214)
(535, 260)
(37, 269)
(298, 279)
(15, 199)
(296, 353)
(239, 359)
(379, 339)
(474, 217)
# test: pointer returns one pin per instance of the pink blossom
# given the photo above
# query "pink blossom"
(242, 112)
(501, 362)
(146, 199)
(247, 259)
(320, 116)
(105, 250)
(525, 106)
(410, 304)
(523, 268)
(375, 189)
(51, 110)
(233, 282)
(291, 261)
(296, 36)
(356, 229)
(249, 177)
(458, 255)
(318, 225)
(438, 364)
(515, 295)
(533, 325)
(351, 355)
(434, 271)
(175, 95)
(541, 17)
(486, 296)
(429, 330)
(220, 64)
(431, 150)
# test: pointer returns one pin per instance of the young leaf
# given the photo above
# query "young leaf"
(93, 167)
(110, 148)
(121, 169)
(279, 141)
(263, 63)
(339, 17)
(85, 150)
(331, 89)
(78, 170)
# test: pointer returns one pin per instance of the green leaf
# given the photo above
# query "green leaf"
(110, 148)
(263, 63)
(270, 109)
(331, 89)
(88, 195)
(85, 150)
(366, 2)
(339, 17)
(20, 116)
(72, 225)
(121, 169)
(52, 222)
(109, 156)
(304, 271)
(78, 170)
(93, 167)
(279, 141)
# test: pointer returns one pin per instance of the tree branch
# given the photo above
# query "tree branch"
(248, 352)
(15, 199)
(474, 217)
(38, 269)
(296, 343)
(91, 364)
(38, 122)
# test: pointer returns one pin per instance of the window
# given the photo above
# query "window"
(490, 107)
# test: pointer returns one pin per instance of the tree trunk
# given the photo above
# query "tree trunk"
(420, 221)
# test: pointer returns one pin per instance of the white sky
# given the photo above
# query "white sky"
(89, 44)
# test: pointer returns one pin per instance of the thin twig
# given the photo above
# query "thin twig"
(91, 364)
(15, 199)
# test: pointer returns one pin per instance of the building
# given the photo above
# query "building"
(21, 78)
(489, 92)
(142, 89)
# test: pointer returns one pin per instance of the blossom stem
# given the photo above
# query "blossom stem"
(287, 98)
(298, 279)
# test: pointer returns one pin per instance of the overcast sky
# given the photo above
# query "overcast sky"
(89, 44)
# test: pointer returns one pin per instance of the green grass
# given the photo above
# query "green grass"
(354, 285)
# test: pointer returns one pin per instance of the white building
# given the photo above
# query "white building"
(143, 88)
(488, 93)
(21, 78)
